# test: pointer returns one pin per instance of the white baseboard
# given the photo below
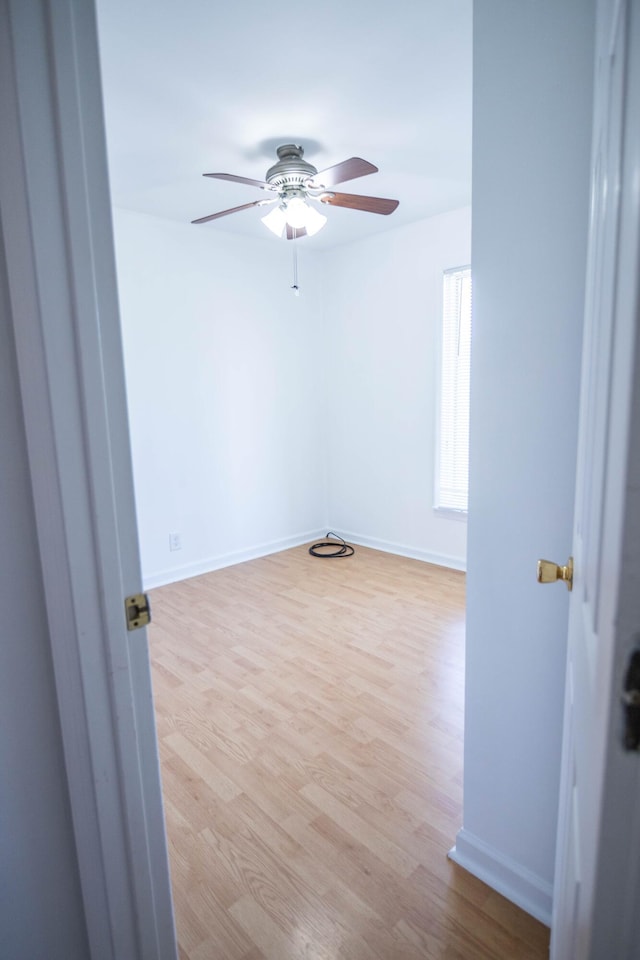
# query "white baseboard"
(413, 553)
(172, 574)
(184, 572)
(504, 875)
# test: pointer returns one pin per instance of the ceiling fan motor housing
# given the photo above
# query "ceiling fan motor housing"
(291, 171)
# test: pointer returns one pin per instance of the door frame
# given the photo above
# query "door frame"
(55, 219)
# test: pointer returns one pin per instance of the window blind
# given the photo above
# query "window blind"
(452, 479)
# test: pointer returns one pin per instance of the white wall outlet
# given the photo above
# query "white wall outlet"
(175, 541)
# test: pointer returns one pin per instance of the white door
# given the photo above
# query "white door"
(55, 232)
(597, 865)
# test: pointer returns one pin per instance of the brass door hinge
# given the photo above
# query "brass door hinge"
(137, 610)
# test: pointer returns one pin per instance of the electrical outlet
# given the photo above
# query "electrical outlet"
(175, 541)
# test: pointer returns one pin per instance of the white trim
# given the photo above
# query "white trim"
(403, 550)
(462, 266)
(450, 513)
(56, 227)
(506, 876)
(173, 574)
(208, 565)
(438, 508)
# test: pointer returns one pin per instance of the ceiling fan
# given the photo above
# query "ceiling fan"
(295, 182)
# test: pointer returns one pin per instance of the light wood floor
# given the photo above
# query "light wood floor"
(310, 717)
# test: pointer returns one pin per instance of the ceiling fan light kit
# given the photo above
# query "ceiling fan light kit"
(297, 215)
(296, 182)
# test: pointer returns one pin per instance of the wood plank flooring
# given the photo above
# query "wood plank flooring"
(310, 719)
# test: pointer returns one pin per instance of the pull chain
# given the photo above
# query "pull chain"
(294, 285)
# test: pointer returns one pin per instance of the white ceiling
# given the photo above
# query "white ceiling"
(199, 86)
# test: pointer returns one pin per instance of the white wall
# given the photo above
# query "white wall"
(383, 314)
(531, 148)
(41, 912)
(260, 419)
(225, 384)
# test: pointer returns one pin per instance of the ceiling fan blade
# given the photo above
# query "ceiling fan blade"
(225, 213)
(355, 202)
(231, 176)
(347, 170)
(294, 232)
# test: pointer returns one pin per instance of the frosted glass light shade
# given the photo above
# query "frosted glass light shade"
(297, 211)
(276, 221)
(298, 214)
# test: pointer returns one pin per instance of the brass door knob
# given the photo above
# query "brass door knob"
(549, 572)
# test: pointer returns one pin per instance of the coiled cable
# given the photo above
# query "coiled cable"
(327, 549)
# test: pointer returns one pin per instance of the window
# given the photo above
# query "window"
(452, 473)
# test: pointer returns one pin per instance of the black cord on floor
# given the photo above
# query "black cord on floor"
(337, 547)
